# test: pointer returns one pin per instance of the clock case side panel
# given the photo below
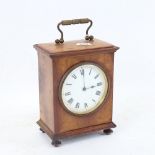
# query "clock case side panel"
(70, 123)
(45, 69)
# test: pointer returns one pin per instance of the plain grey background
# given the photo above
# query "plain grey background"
(129, 24)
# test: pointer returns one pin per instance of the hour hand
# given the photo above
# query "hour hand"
(90, 87)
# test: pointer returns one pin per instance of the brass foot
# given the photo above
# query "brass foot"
(108, 131)
(56, 143)
(42, 130)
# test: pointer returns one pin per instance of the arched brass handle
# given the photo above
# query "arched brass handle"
(74, 21)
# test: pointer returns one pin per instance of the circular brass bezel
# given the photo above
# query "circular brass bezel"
(102, 100)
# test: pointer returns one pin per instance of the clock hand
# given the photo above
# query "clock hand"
(90, 87)
(84, 88)
(98, 84)
(82, 73)
(84, 81)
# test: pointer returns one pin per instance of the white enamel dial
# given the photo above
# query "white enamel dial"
(84, 88)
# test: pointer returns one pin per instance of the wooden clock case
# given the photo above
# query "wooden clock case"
(54, 61)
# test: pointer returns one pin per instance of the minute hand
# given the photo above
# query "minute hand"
(82, 73)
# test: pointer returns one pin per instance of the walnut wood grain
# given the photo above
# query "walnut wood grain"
(66, 121)
(45, 67)
(77, 132)
(54, 61)
(71, 47)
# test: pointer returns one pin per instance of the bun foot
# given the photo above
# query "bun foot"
(56, 143)
(108, 131)
(42, 130)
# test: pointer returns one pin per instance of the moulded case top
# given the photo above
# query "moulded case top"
(77, 46)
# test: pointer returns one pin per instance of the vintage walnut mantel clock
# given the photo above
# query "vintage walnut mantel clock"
(75, 85)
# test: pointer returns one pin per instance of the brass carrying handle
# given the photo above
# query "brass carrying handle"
(74, 21)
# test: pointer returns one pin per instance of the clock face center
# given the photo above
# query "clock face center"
(84, 88)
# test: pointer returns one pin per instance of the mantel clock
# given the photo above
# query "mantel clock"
(75, 85)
